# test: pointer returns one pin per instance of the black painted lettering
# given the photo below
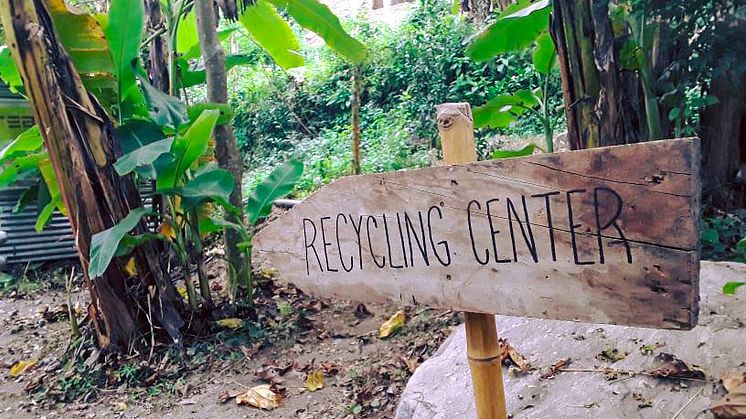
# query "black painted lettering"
(326, 244)
(471, 235)
(528, 235)
(548, 207)
(310, 245)
(612, 222)
(339, 246)
(401, 240)
(358, 228)
(388, 244)
(573, 226)
(494, 232)
(443, 243)
(422, 245)
(370, 241)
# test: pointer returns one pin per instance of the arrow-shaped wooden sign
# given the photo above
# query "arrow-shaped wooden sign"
(605, 235)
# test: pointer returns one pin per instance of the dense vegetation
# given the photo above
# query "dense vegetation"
(411, 69)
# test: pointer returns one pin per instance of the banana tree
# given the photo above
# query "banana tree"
(521, 26)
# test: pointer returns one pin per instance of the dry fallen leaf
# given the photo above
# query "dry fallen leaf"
(392, 325)
(131, 268)
(315, 380)
(673, 367)
(611, 355)
(556, 367)
(732, 406)
(232, 323)
(507, 352)
(732, 381)
(261, 397)
(20, 367)
(119, 406)
(229, 394)
(167, 230)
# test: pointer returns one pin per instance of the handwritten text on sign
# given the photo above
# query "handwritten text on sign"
(409, 238)
(606, 235)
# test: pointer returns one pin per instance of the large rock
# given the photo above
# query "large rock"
(441, 386)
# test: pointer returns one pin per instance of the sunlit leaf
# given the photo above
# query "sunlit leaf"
(20, 367)
(85, 42)
(8, 71)
(501, 110)
(515, 29)
(186, 149)
(506, 154)
(232, 323)
(226, 112)
(317, 18)
(261, 397)
(28, 140)
(187, 37)
(545, 55)
(315, 380)
(730, 288)
(271, 32)
(279, 183)
(130, 268)
(104, 244)
(392, 325)
(124, 25)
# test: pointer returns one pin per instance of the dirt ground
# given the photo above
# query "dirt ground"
(291, 336)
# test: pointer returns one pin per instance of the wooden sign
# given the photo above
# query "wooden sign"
(605, 235)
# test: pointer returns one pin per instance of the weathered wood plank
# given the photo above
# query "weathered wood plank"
(603, 235)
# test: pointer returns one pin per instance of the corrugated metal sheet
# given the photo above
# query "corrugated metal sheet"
(24, 244)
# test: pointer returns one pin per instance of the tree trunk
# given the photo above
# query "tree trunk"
(226, 149)
(357, 87)
(723, 133)
(602, 101)
(79, 137)
(157, 63)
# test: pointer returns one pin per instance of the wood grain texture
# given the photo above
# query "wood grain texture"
(649, 278)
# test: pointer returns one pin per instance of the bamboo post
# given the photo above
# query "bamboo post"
(456, 129)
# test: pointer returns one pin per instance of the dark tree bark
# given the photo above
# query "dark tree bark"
(723, 134)
(602, 101)
(78, 135)
(157, 63)
(226, 148)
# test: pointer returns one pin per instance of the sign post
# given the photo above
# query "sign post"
(456, 129)
(605, 235)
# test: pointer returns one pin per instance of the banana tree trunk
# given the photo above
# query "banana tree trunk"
(79, 137)
(602, 101)
(226, 148)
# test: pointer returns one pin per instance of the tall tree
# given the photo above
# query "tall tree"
(602, 103)
(80, 140)
(226, 148)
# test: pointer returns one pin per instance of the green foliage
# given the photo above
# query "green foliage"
(409, 70)
(165, 110)
(507, 154)
(519, 26)
(104, 244)
(8, 72)
(124, 18)
(143, 156)
(272, 33)
(279, 183)
(186, 149)
(516, 29)
(722, 237)
(317, 18)
(731, 287)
